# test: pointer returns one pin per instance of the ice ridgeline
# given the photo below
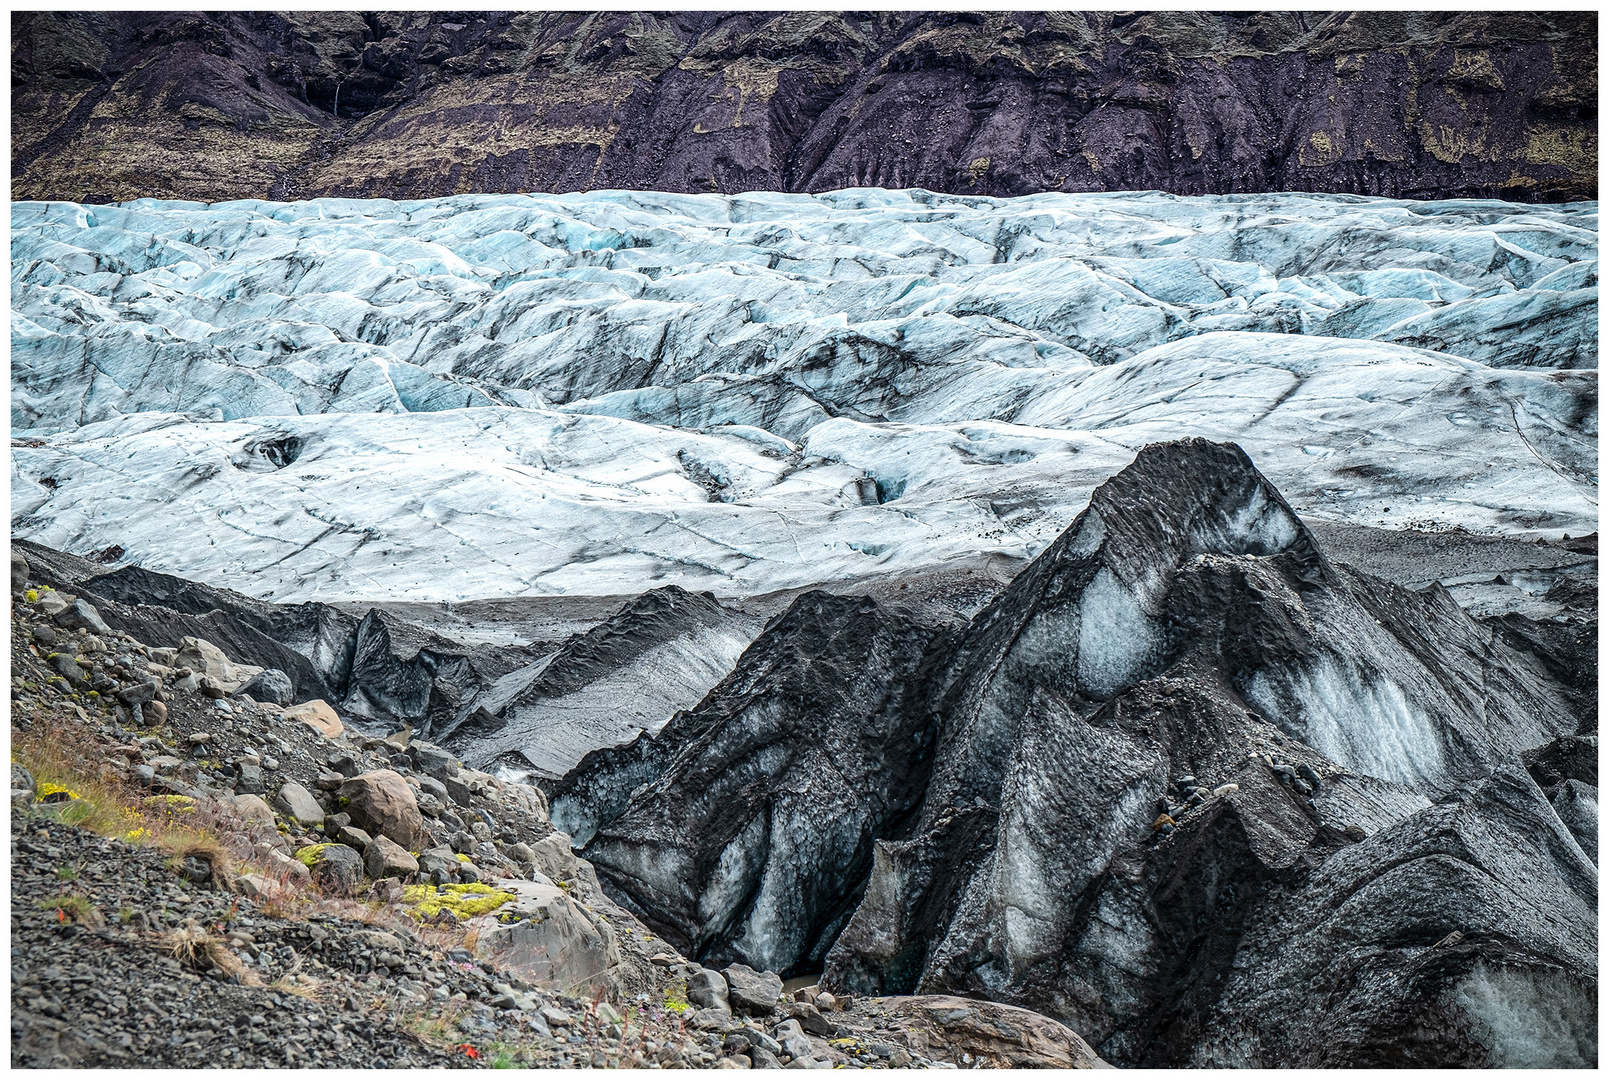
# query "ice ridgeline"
(599, 393)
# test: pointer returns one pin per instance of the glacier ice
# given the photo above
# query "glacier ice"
(499, 394)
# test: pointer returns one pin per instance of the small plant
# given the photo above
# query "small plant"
(70, 908)
(66, 873)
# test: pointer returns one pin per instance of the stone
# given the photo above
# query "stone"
(140, 694)
(554, 1016)
(761, 1058)
(44, 635)
(354, 837)
(432, 760)
(384, 859)
(53, 603)
(335, 867)
(457, 790)
(249, 779)
(707, 989)
(757, 993)
(382, 804)
(298, 803)
(328, 781)
(809, 1018)
(81, 615)
(318, 715)
(21, 778)
(199, 738)
(545, 938)
(19, 571)
(553, 857)
(254, 809)
(202, 657)
(156, 712)
(209, 687)
(439, 864)
(252, 886)
(271, 685)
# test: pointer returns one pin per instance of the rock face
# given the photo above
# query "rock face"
(1182, 775)
(113, 106)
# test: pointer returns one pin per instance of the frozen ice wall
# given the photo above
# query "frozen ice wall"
(604, 392)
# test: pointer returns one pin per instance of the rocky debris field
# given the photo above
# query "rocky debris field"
(204, 880)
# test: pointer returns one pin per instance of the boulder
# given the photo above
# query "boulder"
(996, 1036)
(297, 802)
(384, 859)
(439, 864)
(548, 939)
(19, 571)
(707, 989)
(254, 809)
(432, 760)
(204, 658)
(140, 693)
(553, 857)
(81, 615)
(382, 804)
(317, 715)
(336, 868)
(756, 993)
(355, 838)
(270, 685)
(52, 603)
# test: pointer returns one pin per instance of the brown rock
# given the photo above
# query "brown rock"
(384, 859)
(943, 1027)
(317, 715)
(382, 804)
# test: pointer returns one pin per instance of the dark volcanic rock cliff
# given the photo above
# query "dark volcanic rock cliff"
(416, 104)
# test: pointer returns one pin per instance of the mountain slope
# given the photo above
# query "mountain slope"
(112, 106)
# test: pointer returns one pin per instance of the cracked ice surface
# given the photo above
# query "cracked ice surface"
(494, 395)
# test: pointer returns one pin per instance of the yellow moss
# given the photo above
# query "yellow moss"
(464, 901)
(47, 790)
(309, 855)
(463, 858)
(32, 596)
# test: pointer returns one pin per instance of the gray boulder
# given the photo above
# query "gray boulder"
(337, 868)
(756, 993)
(81, 615)
(19, 571)
(439, 864)
(297, 802)
(270, 685)
(707, 990)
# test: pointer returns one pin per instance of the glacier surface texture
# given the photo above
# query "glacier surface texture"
(510, 394)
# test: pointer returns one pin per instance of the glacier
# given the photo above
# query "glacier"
(493, 395)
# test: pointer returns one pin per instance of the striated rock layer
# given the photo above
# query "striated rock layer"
(1185, 777)
(225, 105)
